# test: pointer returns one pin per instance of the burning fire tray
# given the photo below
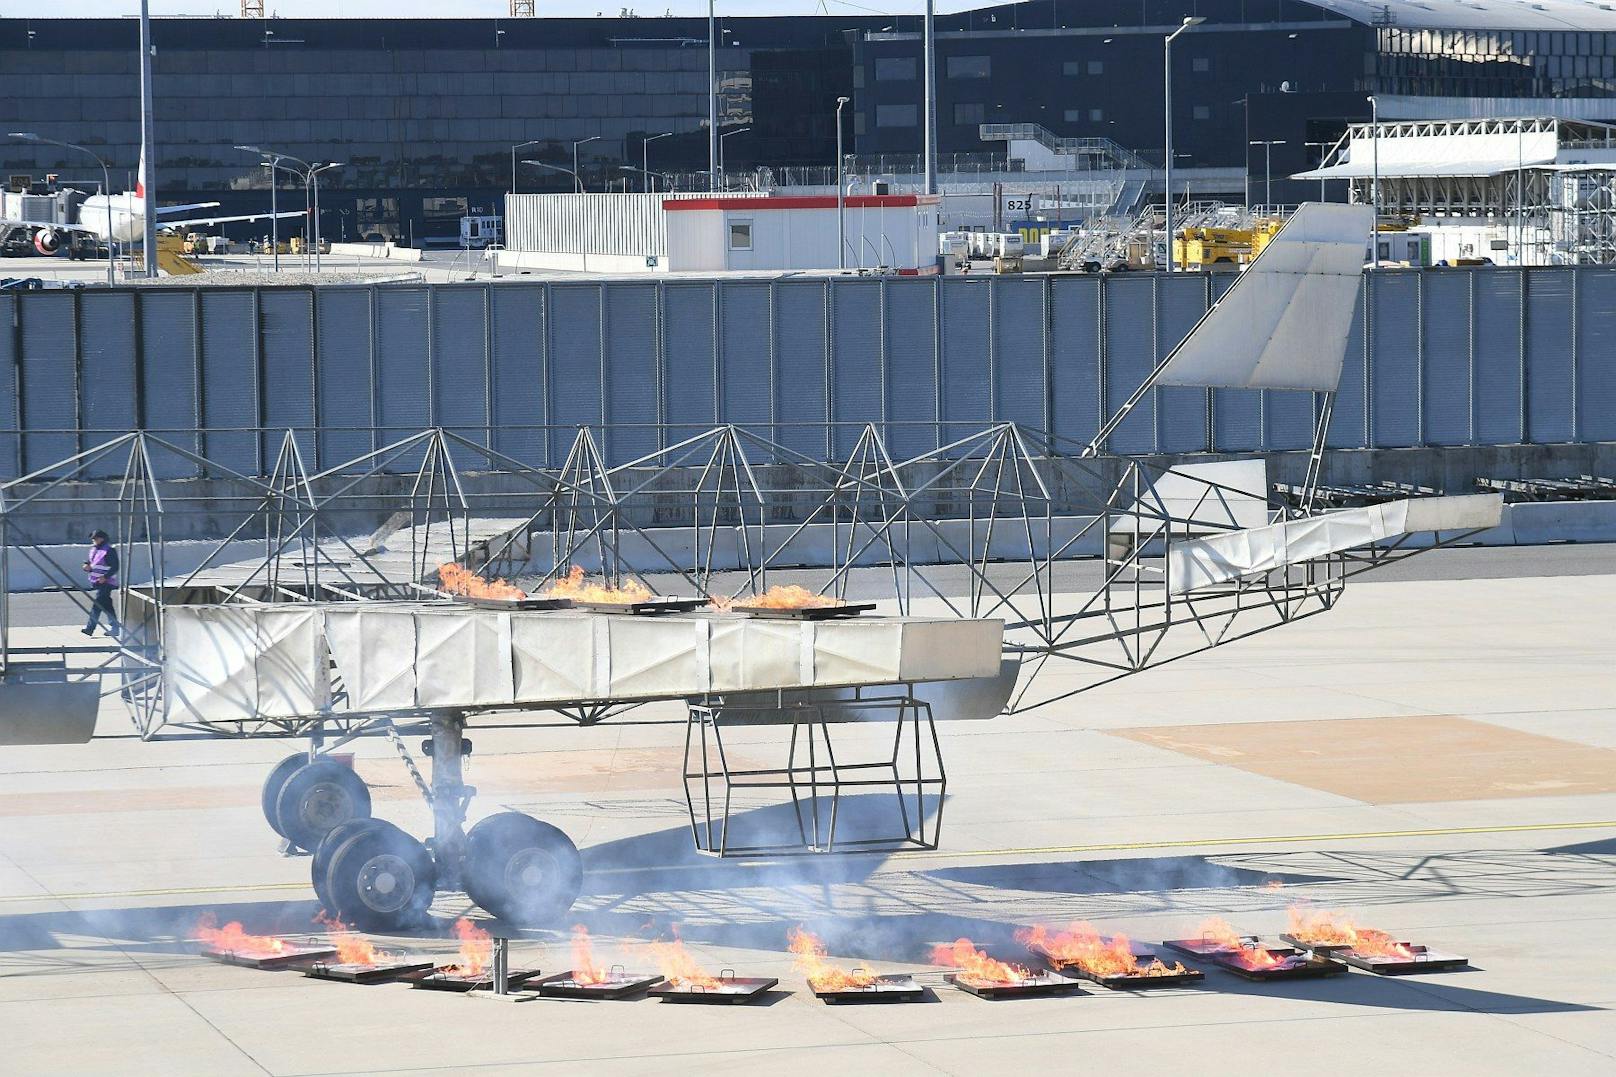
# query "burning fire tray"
(901, 988)
(731, 989)
(1036, 984)
(1287, 963)
(1424, 959)
(363, 974)
(619, 984)
(808, 613)
(440, 979)
(289, 955)
(517, 603)
(1136, 981)
(650, 607)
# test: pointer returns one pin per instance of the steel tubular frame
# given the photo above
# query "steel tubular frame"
(817, 786)
(718, 513)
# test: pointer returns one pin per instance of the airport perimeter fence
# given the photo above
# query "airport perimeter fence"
(1467, 356)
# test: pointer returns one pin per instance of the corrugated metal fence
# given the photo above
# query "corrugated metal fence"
(1444, 357)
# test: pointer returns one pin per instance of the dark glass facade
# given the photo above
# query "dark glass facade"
(424, 113)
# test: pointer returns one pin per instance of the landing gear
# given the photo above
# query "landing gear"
(380, 879)
(317, 797)
(521, 869)
(375, 877)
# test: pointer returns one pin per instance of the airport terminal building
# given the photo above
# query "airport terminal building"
(426, 115)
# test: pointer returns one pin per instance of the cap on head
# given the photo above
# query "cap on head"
(98, 535)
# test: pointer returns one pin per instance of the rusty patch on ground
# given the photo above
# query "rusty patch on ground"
(1397, 760)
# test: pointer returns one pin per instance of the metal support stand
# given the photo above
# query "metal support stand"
(817, 780)
(502, 966)
(450, 795)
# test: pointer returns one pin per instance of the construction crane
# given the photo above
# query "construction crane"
(252, 9)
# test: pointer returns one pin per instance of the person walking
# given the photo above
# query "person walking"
(101, 567)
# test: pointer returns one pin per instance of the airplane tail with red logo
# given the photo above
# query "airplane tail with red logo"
(140, 177)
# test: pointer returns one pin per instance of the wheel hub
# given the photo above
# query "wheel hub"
(326, 805)
(386, 883)
(527, 871)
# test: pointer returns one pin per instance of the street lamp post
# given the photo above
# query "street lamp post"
(930, 45)
(314, 180)
(841, 191)
(106, 187)
(712, 96)
(148, 144)
(519, 146)
(1167, 120)
(1374, 185)
(1268, 145)
(577, 180)
(723, 168)
(273, 161)
(645, 159)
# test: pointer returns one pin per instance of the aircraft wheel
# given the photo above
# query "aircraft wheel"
(320, 864)
(521, 869)
(275, 783)
(316, 798)
(380, 879)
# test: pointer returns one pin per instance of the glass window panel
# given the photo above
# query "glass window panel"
(969, 67)
(894, 68)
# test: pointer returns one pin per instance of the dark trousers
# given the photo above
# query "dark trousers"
(102, 603)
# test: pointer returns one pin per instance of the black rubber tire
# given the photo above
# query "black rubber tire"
(320, 862)
(275, 783)
(381, 879)
(316, 798)
(522, 870)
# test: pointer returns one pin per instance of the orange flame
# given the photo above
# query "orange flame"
(476, 949)
(678, 965)
(575, 587)
(1222, 934)
(1081, 945)
(787, 596)
(584, 968)
(352, 948)
(459, 580)
(809, 958)
(976, 966)
(1337, 929)
(233, 939)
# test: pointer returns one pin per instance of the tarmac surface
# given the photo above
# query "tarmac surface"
(1435, 756)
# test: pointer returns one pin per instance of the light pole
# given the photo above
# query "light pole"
(577, 180)
(1322, 148)
(519, 146)
(650, 177)
(645, 159)
(106, 187)
(148, 145)
(1167, 118)
(722, 168)
(841, 192)
(273, 161)
(1268, 145)
(930, 44)
(712, 96)
(314, 179)
(1374, 186)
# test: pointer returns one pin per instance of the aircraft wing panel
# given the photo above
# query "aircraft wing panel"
(16, 222)
(226, 220)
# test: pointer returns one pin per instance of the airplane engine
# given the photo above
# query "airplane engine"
(47, 240)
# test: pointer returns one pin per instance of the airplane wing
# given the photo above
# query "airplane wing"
(186, 208)
(227, 220)
(17, 222)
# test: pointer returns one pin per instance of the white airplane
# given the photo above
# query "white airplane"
(127, 220)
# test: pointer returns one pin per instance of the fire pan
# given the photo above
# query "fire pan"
(1424, 959)
(650, 607)
(1128, 981)
(290, 955)
(618, 984)
(441, 979)
(808, 613)
(363, 974)
(898, 988)
(731, 989)
(1280, 963)
(522, 604)
(1036, 984)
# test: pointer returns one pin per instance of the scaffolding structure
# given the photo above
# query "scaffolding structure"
(1072, 552)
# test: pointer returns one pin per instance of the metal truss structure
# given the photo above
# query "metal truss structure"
(1009, 522)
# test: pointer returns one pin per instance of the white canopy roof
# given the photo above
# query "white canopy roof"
(1447, 150)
